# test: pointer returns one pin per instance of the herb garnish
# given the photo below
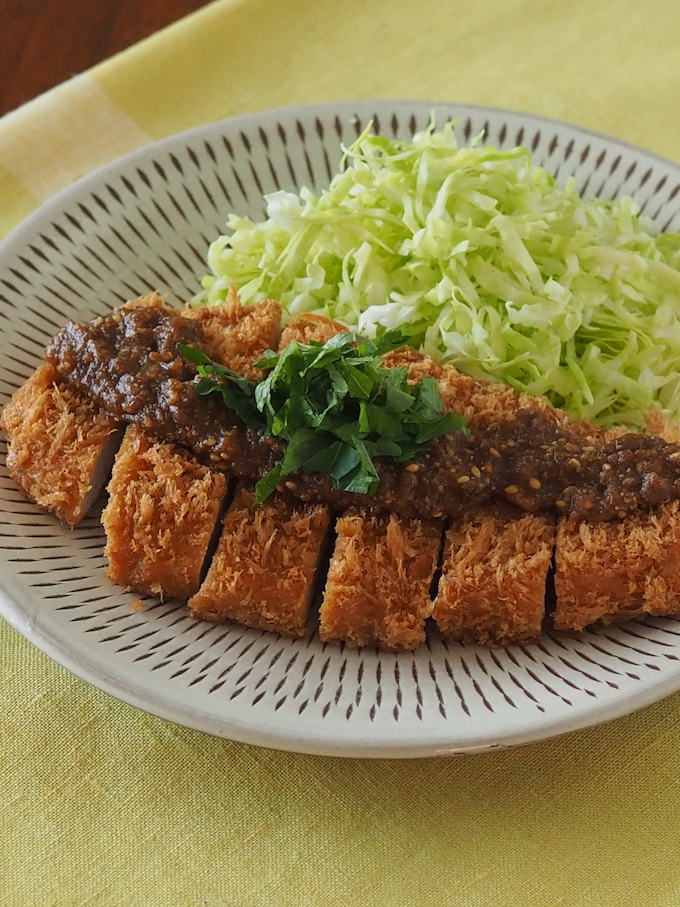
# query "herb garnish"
(335, 405)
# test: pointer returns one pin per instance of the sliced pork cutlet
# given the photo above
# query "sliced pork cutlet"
(619, 570)
(494, 572)
(264, 568)
(496, 560)
(378, 586)
(61, 445)
(164, 506)
(262, 573)
(377, 590)
(162, 511)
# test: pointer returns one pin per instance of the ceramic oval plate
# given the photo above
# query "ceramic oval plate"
(145, 222)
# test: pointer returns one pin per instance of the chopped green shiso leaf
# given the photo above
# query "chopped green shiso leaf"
(335, 406)
(497, 269)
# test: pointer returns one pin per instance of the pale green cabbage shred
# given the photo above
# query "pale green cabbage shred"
(500, 271)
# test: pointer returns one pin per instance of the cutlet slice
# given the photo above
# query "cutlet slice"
(494, 571)
(264, 569)
(378, 586)
(262, 574)
(617, 571)
(61, 446)
(164, 506)
(496, 562)
(162, 512)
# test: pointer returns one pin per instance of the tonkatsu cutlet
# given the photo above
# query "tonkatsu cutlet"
(378, 587)
(619, 570)
(264, 568)
(494, 572)
(162, 511)
(164, 505)
(61, 443)
(500, 487)
(262, 573)
(616, 571)
(496, 560)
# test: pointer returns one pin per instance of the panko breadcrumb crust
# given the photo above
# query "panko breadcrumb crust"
(494, 571)
(61, 445)
(378, 586)
(238, 335)
(262, 573)
(162, 511)
(616, 571)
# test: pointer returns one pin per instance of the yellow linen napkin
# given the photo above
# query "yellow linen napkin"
(103, 805)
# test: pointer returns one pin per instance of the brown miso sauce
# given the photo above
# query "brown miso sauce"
(127, 362)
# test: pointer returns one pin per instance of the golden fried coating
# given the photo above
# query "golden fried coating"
(308, 327)
(238, 334)
(378, 586)
(263, 571)
(162, 512)
(494, 570)
(61, 446)
(616, 571)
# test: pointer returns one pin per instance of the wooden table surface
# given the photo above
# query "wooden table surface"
(44, 42)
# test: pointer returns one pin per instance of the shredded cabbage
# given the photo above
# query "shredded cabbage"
(499, 270)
